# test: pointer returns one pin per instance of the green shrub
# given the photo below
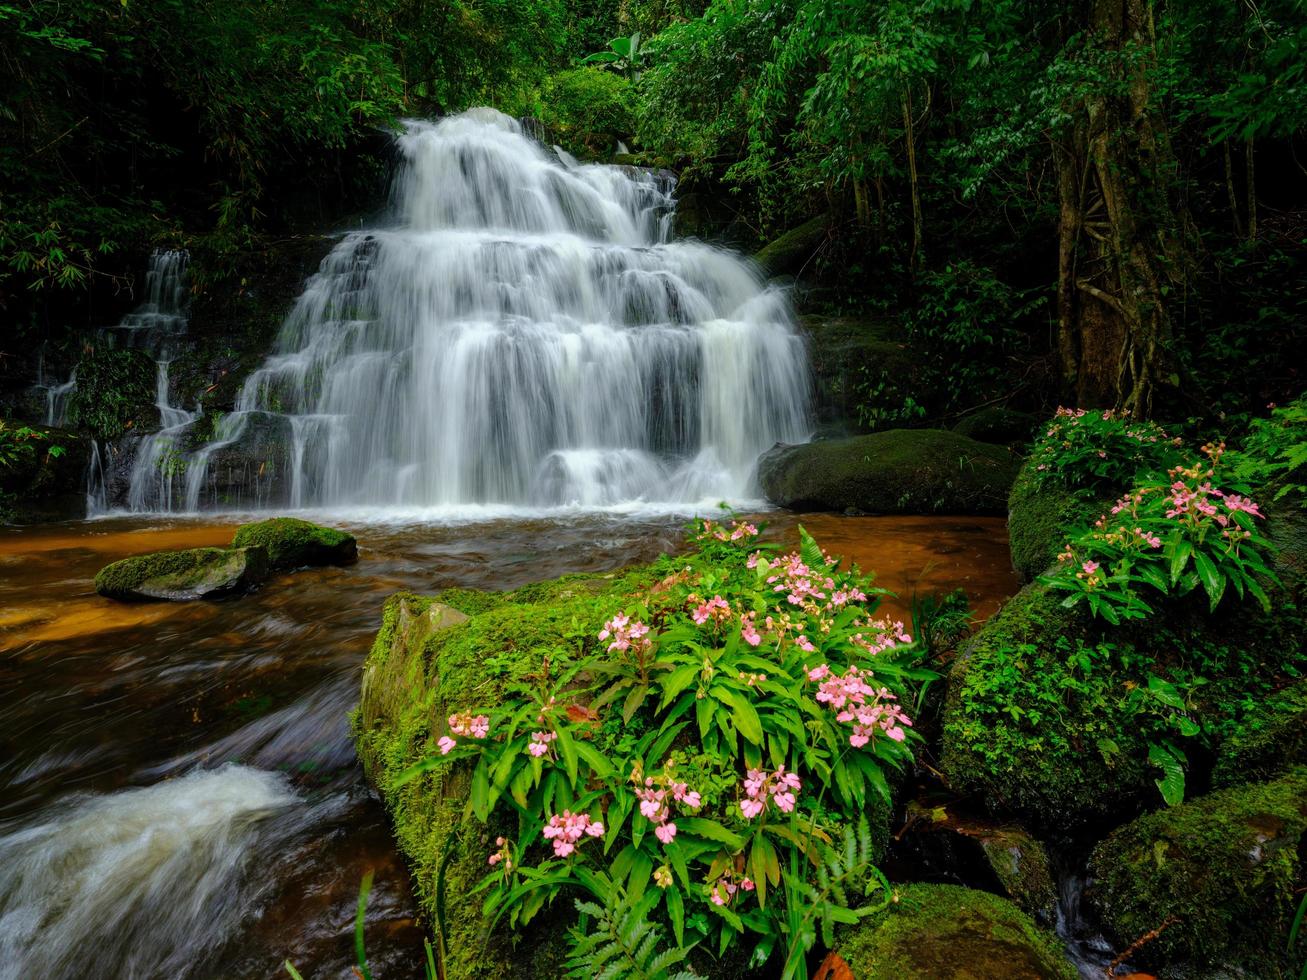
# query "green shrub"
(115, 392)
(588, 109)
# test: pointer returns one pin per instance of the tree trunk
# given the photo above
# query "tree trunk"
(1118, 253)
(914, 259)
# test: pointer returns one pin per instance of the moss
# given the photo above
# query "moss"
(1268, 741)
(1003, 426)
(191, 574)
(1022, 866)
(293, 543)
(429, 660)
(1040, 519)
(115, 392)
(944, 932)
(900, 471)
(790, 252)
(1218, 871)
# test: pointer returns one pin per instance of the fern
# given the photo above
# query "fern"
(810, 552)
(621, 943)
(1171, 761)
(815, 909)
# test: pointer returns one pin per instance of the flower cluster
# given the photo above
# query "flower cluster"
(761, 788)
(464, 724)
(503, 856)
(738, 531)
(1080, 447)
(883, 636)
(868, 709)
(717, 609)
(568, 829)
(656, 797)
(724, 889)
(626, 635)
(540, 743)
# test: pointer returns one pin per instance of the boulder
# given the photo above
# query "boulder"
(946, 932)
(1002, 426)
(1214, 877)
(790, 252)
(198, 573)
(1041, 518)
(293, 543)
(900, 471)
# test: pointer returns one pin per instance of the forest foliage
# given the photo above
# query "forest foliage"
(1153, 147)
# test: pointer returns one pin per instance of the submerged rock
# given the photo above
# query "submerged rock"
(900, 471)
(1214, 877)
(293, 543)
(198, 573)
(950, 933)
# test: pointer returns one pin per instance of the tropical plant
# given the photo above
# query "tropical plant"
(623, 54)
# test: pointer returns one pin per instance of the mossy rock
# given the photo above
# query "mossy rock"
(847, 354)
(1002, 426)
(462, 651)
(788, 253)
(293, 543)
(946, 932)
(1022, 866)
(1268, 743)
(900, 471)
(198, 573)
(1215, 875)
(115, 393)
(1041, 518)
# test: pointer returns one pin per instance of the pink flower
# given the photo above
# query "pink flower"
(746, 884)
(567, 829)
(1236, 503)
(446, 744)
(751, 808)
(717, 609)
(665, 832)
(468, 725)
(804, 644)
(819, 672)
(1090, 567)
(749, 631)
(539, 743)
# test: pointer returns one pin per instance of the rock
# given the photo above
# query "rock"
(1269, 742)
(254, 469)
(901, 471)
(1215, 875)
(1002, 426)
(789, 253)
(115, 392)
(293, 543)
(1041, 518)
(1022, 866)
(945, 932)
(198, 573)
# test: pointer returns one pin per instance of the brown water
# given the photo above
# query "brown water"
(156, 757)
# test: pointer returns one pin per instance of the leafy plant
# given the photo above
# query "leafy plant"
(1101, 449)
(1275, 451)
(623, 54)
(1170, 535)
(682, 760)
(18, 445)
(616, 939)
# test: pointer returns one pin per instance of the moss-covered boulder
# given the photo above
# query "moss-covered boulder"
(1266, 742)
(900, 471)
(1041, 518)
(197, 573)
(293, 543)
(1215, 877)
(790, 252)
(1003, 426)
(950, 933)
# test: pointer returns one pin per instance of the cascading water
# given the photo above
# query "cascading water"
(526, 334)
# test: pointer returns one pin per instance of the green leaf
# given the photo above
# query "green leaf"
(1171, 784)
(568, 749)
(1213, 581)
(1180, 550)
(676, 913)
(745, 715)
(1165, 692)
(712, 830)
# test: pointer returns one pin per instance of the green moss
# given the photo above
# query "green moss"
(293, 543)
(1003, 426)
(791, 251)
(115, 391)
(899, 471)
(1218, 871)
(1022, 866)
(191, 574)
(946, 932)
(1040, 519)
(1268, 741)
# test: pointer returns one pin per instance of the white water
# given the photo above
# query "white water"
(525, 335)
(138, 883)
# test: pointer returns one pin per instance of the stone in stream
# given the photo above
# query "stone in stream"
(1215, 878)
(293, 543)
(946, 932)
(899, 471)
(197, 573)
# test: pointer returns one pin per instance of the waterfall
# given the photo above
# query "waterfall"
(523, 333)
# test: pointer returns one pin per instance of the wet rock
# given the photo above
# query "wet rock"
(850, 355)
(950, 933)
(293, 543)
(901, 471)
(197, 573)
(1214, 878)
(254, 469)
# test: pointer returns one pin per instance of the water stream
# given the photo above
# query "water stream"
(180, 793)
